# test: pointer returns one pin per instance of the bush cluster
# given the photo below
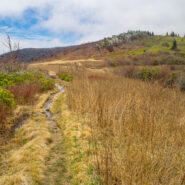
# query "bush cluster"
(21, 87)
(6, 98)
(66, 77)
(6, 103)
(44, 82)
(146, 73)
(13, 79)
(159, 74)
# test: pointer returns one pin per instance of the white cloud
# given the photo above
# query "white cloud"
(114, 16)
(39, 43)
(94, 19)
(16, 7)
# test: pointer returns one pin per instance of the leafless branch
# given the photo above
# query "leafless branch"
(11, 61)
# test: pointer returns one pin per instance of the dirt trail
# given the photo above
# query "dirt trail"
(55, 162)
(54, 62)
(69, 160)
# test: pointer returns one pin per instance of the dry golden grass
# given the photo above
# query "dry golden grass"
(69, 161)
(56, 62)
(56, 66)
(56, 104)
(137, 128)
(19, 114)
(26, 160)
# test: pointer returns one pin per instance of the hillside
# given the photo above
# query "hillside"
(144, 48)
(138, 47)
(29, 55)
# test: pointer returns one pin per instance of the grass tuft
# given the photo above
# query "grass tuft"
(27, 158)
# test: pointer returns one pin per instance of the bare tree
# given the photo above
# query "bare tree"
(10, 60)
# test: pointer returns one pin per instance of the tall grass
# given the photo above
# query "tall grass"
(137, 128)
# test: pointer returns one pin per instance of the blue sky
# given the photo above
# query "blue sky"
(50, 23)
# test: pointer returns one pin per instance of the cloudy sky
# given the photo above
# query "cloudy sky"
(49, 23)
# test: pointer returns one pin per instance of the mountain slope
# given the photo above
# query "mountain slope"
(133, 46)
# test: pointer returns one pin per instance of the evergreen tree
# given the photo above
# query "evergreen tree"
(174, 46)
(172, 34)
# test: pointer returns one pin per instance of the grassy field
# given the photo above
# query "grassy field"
(137, 128)
(105, 129)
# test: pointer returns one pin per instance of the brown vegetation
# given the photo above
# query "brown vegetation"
(137, 128)
(25, 93)
(4, 112)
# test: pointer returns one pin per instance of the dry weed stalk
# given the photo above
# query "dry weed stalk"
(137, 129)
(10, 61)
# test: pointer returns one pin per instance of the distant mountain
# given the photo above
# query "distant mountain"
(29, 55)
(33, 54)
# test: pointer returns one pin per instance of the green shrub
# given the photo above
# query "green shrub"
(155, 72)
(172, 79)
(6, 80)
(6, 97)
(145, 74)
(13, 79)
(174, 45)
(46, 84)
(66, 77)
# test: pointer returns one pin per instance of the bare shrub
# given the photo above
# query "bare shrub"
(3, 115)
(25, 93)
(164, 74)
(130, 71)
(127, 71)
